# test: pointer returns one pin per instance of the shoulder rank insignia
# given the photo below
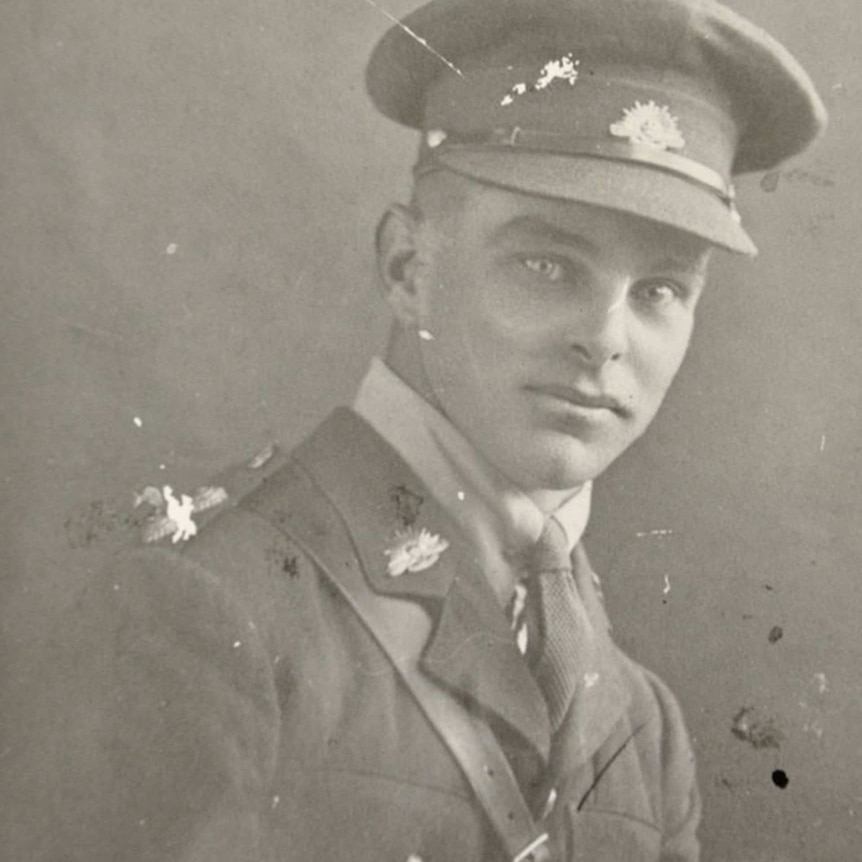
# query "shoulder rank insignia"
(173, 516)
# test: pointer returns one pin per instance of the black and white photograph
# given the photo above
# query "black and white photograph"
(431, 431)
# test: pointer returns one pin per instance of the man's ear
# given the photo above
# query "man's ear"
(398, 263)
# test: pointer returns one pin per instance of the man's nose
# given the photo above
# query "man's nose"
(599, 332)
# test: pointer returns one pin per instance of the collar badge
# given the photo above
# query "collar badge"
(650, 124)
(414, 550)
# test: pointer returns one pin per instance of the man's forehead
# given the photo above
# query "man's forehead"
(502, 217)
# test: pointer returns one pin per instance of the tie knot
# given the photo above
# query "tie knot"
(551, 551)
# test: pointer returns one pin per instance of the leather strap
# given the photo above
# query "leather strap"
(470, 740)
(401, 628)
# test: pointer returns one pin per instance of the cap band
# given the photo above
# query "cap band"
(536, 140)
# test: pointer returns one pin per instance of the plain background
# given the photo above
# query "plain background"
(189, 193)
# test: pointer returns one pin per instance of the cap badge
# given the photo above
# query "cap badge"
(650, 124)
(414, 551)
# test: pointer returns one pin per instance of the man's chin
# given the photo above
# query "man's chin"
(564, 465)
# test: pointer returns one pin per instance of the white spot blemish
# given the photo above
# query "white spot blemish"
(116, 587)
(138, 421)
(517, 90)
(237, 644)
(563, 69)
(262, 457)
(425, 335)
(172, 248)
(666, 589)
(646, 533)
(162, 467)
(416, 37)
(550, 803)
(591, 679)
(522, 639)
(822, 682)
(822, 442)
(435, 137)
(180, 512)
(519, 601)
(462, 496)
(275, 800)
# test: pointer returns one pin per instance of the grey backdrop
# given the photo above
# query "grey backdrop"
(189, 192)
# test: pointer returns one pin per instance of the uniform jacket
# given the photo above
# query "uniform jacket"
(219, 701)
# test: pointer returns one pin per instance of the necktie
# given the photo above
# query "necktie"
(553, 614)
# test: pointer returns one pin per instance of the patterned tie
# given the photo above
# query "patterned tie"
(552, 613)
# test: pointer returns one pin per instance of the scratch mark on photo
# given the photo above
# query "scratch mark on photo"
(416, 36)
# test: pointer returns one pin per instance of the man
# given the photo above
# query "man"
(389, 644)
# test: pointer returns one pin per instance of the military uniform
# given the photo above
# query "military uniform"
(271, 688)
(225, 702)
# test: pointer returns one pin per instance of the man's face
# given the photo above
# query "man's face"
(555, 328)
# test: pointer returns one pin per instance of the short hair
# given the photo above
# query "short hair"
(439, 196)
(437, 199)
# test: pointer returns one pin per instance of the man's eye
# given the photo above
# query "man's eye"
(548, 269)
(659, 293)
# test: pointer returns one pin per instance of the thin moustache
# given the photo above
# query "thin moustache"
(581, 397)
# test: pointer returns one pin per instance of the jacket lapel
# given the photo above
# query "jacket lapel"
(471, 651)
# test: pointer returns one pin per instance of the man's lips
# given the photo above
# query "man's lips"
(580, 397)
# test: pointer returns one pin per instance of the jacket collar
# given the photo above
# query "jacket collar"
(471, 650)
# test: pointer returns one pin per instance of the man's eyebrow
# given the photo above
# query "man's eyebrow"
(693, 266)
(537, 228)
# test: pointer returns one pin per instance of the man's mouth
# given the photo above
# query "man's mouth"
(589, 399)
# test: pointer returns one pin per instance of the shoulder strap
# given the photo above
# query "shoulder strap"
(470, 740)
(401, 628)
